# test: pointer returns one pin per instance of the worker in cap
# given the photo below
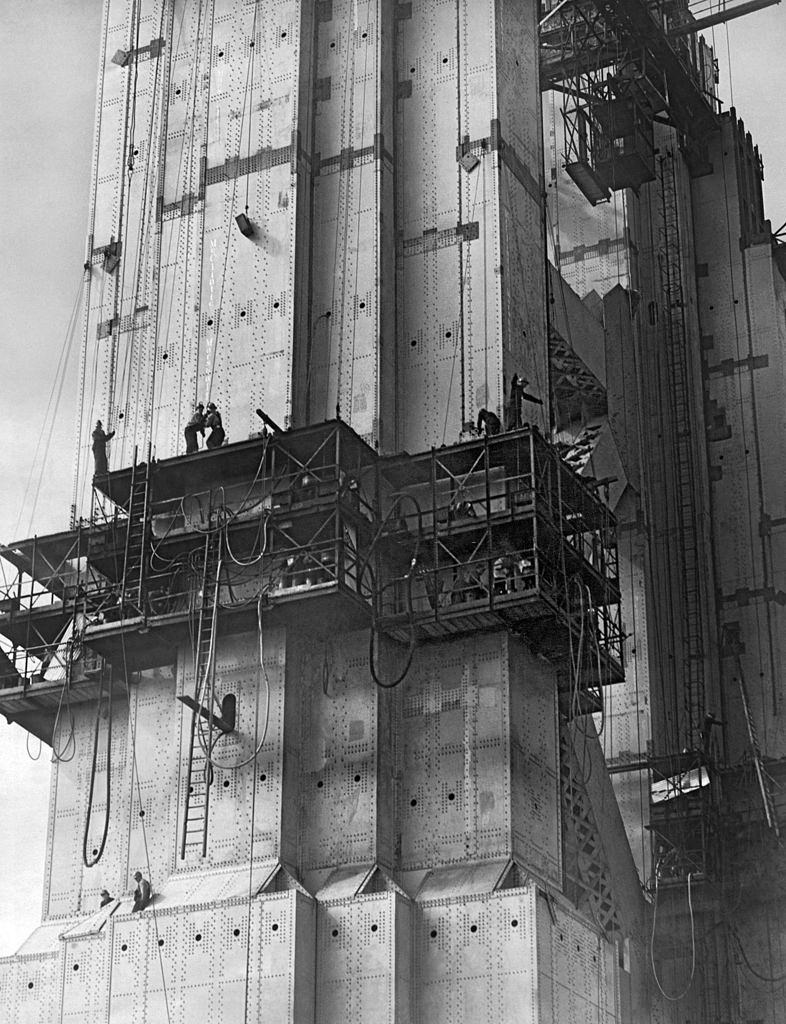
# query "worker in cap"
(106, 897)
(100, 438)
(213, 420)
(196, 425)
(141, 893)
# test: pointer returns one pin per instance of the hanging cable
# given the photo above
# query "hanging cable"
(684, 992)
(396, 500)
(90, 862)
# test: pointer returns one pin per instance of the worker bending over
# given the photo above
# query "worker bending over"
(196, 425)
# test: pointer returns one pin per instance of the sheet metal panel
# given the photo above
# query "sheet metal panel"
(475, 959)
(342, 761)
(195, 309)
(150, 778)
(85, 995)
(352, 332)
(576, 968)
(30, 988)
(471, 298)
(534, 787)
(254, 789)
(363, 960)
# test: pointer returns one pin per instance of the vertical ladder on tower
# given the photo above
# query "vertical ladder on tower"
(677, 339)
(199, 776)
(132, 592)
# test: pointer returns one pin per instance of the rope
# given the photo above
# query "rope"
(684, 992)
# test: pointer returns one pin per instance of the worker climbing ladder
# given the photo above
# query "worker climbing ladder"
(132, 595)
(199, 775)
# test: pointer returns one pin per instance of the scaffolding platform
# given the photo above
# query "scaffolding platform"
(311, 529)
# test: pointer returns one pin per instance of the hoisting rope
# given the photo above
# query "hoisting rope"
(96, 857)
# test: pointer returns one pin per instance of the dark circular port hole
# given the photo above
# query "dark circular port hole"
(210, 323)
(451, 796)
(121, 416)
(190, 789)
(433, 933)
(136, 152)
(251, 45)
(283, 35)
(161, 942)
(263, 777)
(95, 853)
(334, 933)
(373, 927)
(414, 342)
(275, 305)
(514, 923)
(357, 778)
(274, 927)
(29, 984)
(364, 36)
(177, 92)
(413, 802)
(141, 814)
(332, 46)
(76, 967)
(242, 312)
(236, 932)
(444, 60)
(473, 928)
(412, 71)
(320, 784)
(124, 947)
(448, 334)
(226, 783)
(165, 356)
(362, 305)
(221, 53)
(198, 937)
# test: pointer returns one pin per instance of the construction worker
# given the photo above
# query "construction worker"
(213, 420)
(518, 394)
(196, 425)
(100, 439)
(489, 421)
(105, 897)
(141, 893)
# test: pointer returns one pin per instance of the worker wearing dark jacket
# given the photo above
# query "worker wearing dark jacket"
(141, 893)
(490, 421)
(196, 425)
(100, 439)
(213, 420)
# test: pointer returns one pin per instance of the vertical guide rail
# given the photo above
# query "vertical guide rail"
(132, 590)
(670, 261)
(199, 774)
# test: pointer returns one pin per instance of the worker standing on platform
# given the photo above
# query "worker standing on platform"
(106, 897)
(489, 421)
(100, 439)
(141, 893)
(213, 420)
(196, 425)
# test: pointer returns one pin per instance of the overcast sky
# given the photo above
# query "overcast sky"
(47, 95)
